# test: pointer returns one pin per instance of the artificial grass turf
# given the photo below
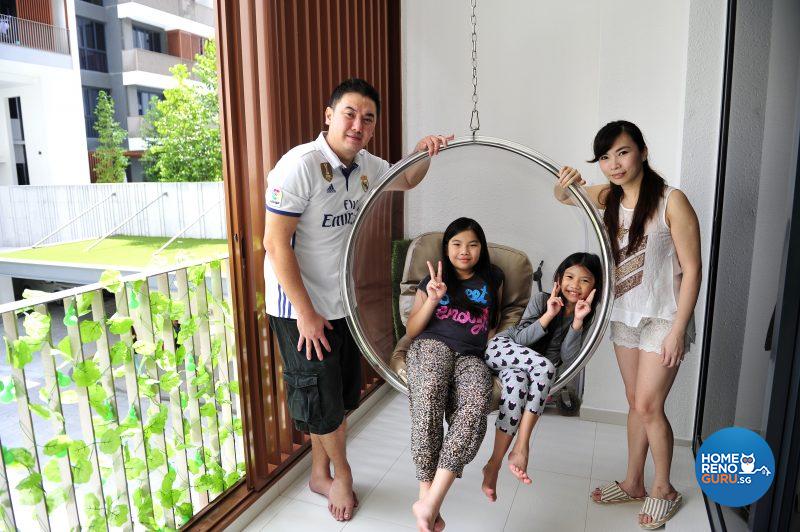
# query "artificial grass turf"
(126, 252)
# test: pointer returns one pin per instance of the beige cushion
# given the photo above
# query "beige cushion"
(516, 289)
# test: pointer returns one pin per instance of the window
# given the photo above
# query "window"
(92, 45)
(146, 39)
(145, 96)
(95, 2)
(90, 95)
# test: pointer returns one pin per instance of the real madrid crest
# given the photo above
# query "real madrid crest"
(327, 171)
(364, 183)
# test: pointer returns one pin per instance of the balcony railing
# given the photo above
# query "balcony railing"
(32, 34)
(153, 62)
(119, 404)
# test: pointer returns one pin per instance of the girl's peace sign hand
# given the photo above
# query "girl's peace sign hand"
(584, 306)
(436, 288)
(554, 303)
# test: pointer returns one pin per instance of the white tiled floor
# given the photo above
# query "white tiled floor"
(569, 457)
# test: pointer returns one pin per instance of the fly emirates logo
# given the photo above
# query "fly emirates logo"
(347, 217)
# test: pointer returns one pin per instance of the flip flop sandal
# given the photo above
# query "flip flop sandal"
(659, 510)
(612, 493)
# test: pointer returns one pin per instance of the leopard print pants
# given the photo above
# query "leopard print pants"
(441, 381)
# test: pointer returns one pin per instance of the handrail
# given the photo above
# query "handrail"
(138, 276)
(70, 222)
(126, 220)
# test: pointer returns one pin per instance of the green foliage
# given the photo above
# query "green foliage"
(189, 377)
(182, 130)
(110, 159)
(86, 373)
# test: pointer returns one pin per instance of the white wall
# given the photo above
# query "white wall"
(23, 222)
(49, 86)
(550, 74)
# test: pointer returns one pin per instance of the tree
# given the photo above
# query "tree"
(182, 130)
(110, 159)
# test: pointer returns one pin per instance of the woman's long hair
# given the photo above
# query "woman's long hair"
(483, 269)
(650, 191)
(591, 262)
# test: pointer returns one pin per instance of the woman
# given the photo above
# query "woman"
(655, 238)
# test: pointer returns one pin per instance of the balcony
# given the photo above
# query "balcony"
(138, 59)
(181, 8)
(119, 402)
(31, 34)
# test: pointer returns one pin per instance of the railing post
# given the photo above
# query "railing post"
(136, 440)
(54, 403)
(193, 406)
(103, 359)
(84, 405)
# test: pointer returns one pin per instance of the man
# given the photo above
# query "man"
(313, 196)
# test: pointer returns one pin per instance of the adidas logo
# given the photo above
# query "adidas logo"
(331, 190)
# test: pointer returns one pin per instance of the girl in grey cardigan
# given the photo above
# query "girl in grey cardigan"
(526, 356)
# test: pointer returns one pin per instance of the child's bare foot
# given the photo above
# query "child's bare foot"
(489, 486)
(518, 464)
(428, 519)
(341, 498)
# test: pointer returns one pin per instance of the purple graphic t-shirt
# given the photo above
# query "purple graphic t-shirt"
(459, 329)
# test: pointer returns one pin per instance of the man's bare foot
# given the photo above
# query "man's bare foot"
(341, 498)
(489, 486)
(428, 518)
(518, 464)
(322, 486)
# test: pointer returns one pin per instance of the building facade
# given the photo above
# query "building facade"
(41, 133)
(126, 47)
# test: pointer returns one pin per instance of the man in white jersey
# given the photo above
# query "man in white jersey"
(313, 196)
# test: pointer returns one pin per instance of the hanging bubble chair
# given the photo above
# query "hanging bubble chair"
(508, 189)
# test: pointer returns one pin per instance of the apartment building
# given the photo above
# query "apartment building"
(41, 125)
(126, 47)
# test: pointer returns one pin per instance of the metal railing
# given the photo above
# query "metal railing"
(32, 34)
(119, 404)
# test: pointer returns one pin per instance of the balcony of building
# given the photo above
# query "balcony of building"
(192, 16)
(26, 33)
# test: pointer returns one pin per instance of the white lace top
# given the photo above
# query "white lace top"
(648, 278)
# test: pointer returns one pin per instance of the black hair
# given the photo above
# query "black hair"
(358, 86)
(483, 269)
(650, 192)
(591, 262)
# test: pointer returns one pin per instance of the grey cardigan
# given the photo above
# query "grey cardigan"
(529, 332)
